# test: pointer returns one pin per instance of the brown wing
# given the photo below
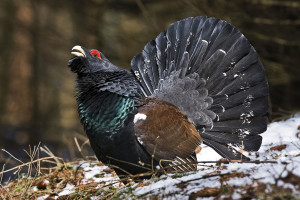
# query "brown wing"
(164, 131)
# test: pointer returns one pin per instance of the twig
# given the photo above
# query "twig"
(47, 151)
(244, 161)
(79, 147)
(32, 154)
(204, 177)
(129, 163)
(12, 155)
(1, 186)
(28, 163)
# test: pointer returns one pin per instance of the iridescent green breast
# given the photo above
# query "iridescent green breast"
(104, 112)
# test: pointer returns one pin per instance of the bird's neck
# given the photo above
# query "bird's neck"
(104, 106)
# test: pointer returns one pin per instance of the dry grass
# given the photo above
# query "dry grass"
(51, 175)
(34, 185)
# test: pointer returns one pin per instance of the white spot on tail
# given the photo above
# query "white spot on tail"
(138, 117)
(222, 51)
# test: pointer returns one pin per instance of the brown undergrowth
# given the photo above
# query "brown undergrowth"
(48, 177)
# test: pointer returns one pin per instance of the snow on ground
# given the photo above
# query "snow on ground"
(93, 173)
(281, 144)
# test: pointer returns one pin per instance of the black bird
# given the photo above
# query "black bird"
(199, 78)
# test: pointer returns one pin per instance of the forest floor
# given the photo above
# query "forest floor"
(272, 173)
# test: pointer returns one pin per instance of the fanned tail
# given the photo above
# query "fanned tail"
(207, 68)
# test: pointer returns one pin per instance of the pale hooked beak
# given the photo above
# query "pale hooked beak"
(78, 51)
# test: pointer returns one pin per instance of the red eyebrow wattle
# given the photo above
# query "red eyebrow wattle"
(95, 52)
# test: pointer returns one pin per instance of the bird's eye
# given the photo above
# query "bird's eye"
(96, 54)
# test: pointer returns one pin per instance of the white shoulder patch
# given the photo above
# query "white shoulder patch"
(140, 140)
(139, 116)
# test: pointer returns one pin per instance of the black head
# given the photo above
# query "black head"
(89, 61)
(95, 70)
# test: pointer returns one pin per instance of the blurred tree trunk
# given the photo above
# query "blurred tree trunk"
(6, 40)
(36, 120)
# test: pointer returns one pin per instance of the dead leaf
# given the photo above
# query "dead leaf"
(278, 147)
(206, 192)
(198, 149)
(141, 184)
(42, 185)
(298, 134)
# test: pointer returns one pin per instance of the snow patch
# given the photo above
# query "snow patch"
(68, 190)
(43, 197)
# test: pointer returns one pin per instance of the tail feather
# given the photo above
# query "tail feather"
(161, 45)
(241, 81)
(182, 32)
(237, 112)
(225, 150)
(244, 97)
(216, 66)
(197, 55)
(229, 70)
(171, 37)
(142, 75)
(152, 67)
(193, 39)
(208, 68)
(249, 143)
(236, 126)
